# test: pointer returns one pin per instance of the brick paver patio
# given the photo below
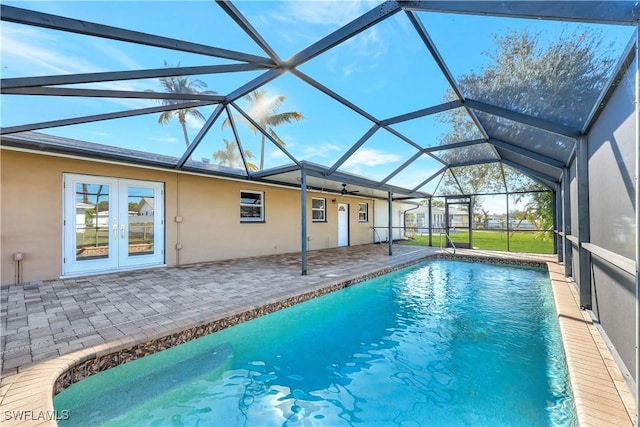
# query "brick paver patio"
(62, 316)
(47, 328)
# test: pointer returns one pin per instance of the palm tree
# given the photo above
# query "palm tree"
(230, 157)
(181, 84)
(265, 111)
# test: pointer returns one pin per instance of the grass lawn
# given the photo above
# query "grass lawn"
(521, 241)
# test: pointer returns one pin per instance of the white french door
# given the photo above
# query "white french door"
(111, 224)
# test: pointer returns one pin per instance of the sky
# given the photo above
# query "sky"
(386, 70)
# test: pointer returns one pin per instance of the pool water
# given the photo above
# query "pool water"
(441, 343)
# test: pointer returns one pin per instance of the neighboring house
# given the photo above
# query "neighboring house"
(146, 206)
(102, 219)
(418, 218)
(84, 218)
(500, 222)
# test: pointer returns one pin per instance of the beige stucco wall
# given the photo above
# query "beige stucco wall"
(32, 213)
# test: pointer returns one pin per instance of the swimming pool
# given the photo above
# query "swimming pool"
(440, 343)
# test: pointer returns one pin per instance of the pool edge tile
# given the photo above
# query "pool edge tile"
(579, 335)
(50, 371)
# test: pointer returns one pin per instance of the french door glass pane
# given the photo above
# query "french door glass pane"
(92, 221)
(141, 218)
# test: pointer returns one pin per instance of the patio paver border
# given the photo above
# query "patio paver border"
(600, 392)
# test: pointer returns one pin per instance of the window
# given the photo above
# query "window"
(318, 210)
(363, 212)
(251, 206)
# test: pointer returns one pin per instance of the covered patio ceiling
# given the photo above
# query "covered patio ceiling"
(371, 94)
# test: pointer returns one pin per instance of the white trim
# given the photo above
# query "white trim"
(323, 209)
(117, 223)
(366, 212)
(261, 218)
(118, 270)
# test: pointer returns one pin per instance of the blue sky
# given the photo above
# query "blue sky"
(385, 70)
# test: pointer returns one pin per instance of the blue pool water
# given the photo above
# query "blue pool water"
(442, 343)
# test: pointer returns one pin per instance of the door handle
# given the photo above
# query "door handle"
(122, 228)
(115, 231)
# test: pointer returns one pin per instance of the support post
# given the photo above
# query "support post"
(508, 225)
(471, 221)
(584, 256)
(390, 200)
(557, 223)
(303, 215)
(566, 220)
(430, 223)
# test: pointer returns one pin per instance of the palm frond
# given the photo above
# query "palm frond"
(165, 117)
(275, 136)
(288, 117)
(195, 113)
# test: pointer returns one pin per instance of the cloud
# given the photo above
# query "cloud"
(370, 158)
(31, 49)
(347, 58)
(115, 55)
(326, 13)
(317, 152)
(304, 22)
(169, 139)
(194, 123)
(46, 53)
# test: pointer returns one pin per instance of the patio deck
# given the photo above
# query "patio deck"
(92, 320)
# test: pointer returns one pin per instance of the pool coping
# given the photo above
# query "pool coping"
(600, 392)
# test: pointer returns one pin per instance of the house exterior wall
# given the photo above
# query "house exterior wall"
(381, 219)
(31, 201)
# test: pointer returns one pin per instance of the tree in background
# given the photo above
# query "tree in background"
(554, 80)
(231, 157)
(265, 111)
(181, 84)
(539, 212)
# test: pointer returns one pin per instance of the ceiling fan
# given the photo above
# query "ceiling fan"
(345, 191)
